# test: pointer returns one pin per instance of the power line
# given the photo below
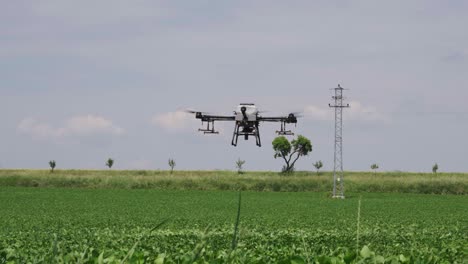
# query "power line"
(338, 179)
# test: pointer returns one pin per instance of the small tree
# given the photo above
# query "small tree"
(318, 165)
(435, 168)
(297, 148)
(239, 165)
(374, 167)
(109, 163)
(52, 165)
(171, 164)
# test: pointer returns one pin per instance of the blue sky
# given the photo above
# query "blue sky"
(82, 81)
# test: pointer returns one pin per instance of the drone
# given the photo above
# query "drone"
(247, 119)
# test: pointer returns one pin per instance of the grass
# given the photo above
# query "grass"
(404, 182)
(88, 225)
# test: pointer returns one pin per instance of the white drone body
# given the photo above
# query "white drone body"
(250, 111)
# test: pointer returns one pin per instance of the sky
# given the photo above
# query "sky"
(84, 81)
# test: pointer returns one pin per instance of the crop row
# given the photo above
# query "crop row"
(89, 245)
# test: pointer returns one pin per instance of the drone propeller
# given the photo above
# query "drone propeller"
(297, 114)
(189, 111)
(192, 111)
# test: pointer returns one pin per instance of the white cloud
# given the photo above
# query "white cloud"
(89, 124)
(356, 111)
(37, 129)
(367, 113)
(318, 113)
(173, 121)
(85, 125)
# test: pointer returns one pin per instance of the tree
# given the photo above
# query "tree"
(171, 164)
(374, 167)
(239, 165)
(318, 165)
(52, 165)
(109, 163)
(435, 168)
(291, 152)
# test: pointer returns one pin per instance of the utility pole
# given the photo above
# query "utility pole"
(338, 180)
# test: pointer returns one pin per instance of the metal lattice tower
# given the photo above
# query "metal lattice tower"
(338, 180)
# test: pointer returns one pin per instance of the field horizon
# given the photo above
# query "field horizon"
(400, 182)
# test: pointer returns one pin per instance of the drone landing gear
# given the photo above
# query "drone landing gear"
(208, 130)
(246, 132)
(283, 131)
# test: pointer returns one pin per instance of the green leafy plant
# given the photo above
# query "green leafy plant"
(52, 165)
(240, 165)
(291, 151)
(318, 165)
(110, 163)
(172, 164)
(374, 167)
(235, 235)
(132, 250)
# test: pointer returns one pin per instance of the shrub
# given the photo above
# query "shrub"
(239, 165)
(52, 165)
(110, 163)
(172, 164)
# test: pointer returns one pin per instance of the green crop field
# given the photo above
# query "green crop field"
(84, 225)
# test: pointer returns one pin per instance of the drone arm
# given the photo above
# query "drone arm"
(210, 119)
(284, 119)
(291, 118)
(272, 119)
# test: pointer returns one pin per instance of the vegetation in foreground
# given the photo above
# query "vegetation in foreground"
(44, 225)
(428, 183)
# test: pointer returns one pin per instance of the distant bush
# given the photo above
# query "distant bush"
(239, 166)
(435, 167)
(318, 165)
(110, 163)
(172, 164)
(52, 165)
(374, 167)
